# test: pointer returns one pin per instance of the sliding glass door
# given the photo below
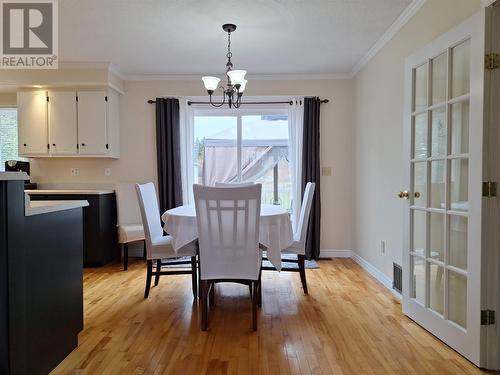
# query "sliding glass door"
(242, 145)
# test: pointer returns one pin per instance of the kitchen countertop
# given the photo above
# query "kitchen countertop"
(68, 192)
(43, 207)
(11, 176)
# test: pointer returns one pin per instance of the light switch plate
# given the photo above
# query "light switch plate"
(326, 171)
(107, 172)
(74, 172)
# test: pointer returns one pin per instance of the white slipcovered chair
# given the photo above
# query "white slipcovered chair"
(158, 245)
(130, 227)
(234, 184)
(228, 234)
(300, 236)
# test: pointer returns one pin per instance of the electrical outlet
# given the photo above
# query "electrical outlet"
(74, 172)
(382, 247)
(107, 172)
(326, 171)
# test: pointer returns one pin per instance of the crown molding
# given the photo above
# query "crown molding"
(115, 69)
(487, 3)
(255, 77)
(386, 37)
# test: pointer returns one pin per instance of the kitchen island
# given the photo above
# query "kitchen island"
(100, 231)
(41, 280)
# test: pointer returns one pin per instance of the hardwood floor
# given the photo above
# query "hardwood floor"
(348, 324)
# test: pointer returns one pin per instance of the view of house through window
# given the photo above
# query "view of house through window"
(248, 147)
(8, 136)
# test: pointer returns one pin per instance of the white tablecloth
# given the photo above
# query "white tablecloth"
(275, 231)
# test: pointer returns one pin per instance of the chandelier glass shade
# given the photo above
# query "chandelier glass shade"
(236, 82)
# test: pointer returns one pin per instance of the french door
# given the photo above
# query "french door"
(443, 169)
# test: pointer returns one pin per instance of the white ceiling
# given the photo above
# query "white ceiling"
(185, 36)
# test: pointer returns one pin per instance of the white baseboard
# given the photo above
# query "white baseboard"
(330, 253)
(368, 267)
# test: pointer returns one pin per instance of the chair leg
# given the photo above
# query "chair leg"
(255, 297)
(194, 277)
(125, 256)
(211, 295)
(259, 293)
(204, 305)
(302, 271)
(144, 254)
(148, 277)
(199, 279)
(158, 270)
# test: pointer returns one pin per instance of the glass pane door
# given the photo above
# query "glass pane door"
(439, 202)
(265, 158)
(215, 149)
(444, 157)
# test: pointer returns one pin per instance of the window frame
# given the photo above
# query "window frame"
(239, 113)
(18, 157)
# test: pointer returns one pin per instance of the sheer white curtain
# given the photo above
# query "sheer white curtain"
(295, 129)
(186, 120)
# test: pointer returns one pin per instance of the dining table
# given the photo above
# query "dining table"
(275, 229)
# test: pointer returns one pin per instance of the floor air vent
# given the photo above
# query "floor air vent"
(397, 283)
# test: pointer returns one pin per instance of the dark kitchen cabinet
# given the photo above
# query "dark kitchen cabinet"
(100, 232)
(41, 284)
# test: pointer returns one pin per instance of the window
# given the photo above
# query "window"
(8, 136)
(242, 145)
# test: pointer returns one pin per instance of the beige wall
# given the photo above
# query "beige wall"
(138, 154)
(379, 91)
(8, 99)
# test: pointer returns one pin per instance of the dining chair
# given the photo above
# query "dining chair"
(130, 227)
(158, 245)
(228, 235)
(234, 184)
(298, 246)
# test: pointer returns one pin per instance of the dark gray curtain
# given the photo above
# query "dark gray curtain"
(311, 173)
(168, 153)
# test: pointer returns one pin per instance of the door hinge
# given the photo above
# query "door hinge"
(492, 61)
(487, 317)
(489, 189)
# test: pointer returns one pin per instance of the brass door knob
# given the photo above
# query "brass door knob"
(404, 194)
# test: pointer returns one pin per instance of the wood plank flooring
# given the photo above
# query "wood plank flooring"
(348, 324)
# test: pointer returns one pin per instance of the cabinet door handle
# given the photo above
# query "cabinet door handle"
(83, 144)
(53, 144)
(25, 145)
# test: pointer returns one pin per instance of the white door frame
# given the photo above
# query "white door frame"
(470, 344)
(491, 172)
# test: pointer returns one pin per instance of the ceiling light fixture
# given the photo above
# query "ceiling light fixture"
(236, 81)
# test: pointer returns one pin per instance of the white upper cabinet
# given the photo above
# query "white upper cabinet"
(69, 123)
(92, 128)
(63, 135)
(32, 123)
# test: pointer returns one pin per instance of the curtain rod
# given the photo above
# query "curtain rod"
(287, 102)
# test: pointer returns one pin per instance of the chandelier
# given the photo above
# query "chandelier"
(236, 81)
